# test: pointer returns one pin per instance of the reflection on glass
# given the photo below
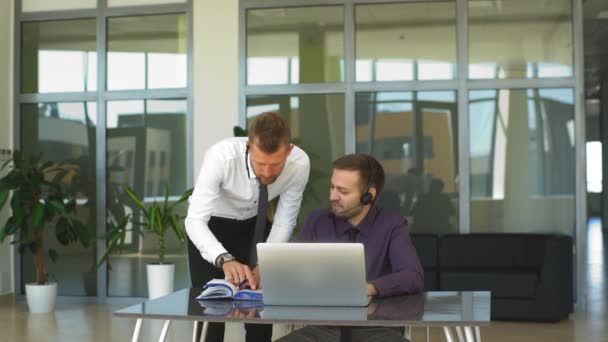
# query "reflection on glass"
(522, 160)
(535, 40)
(295, 45)
(317, 126)
(57, 58)
(405, 42)
(146, 149)
(121, 3)
(147, 52)
(55, 5)
(594, 166)
(64, 132)
(414, 136)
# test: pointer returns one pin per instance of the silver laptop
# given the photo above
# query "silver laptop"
(313, 274)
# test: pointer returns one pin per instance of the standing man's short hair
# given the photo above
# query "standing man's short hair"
(269, 131)
(367, 166)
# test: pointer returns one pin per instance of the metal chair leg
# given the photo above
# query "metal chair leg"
(199, 331)
(163, 333)
(136, 330)
(407, 332)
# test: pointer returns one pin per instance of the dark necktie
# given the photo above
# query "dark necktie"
(260, 225)
(352, 234)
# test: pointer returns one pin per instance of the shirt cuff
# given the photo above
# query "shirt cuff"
(213, 253)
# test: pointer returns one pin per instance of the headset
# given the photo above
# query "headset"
(367, 197)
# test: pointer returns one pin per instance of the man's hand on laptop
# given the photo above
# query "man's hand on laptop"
(236, 273)
(371, 290)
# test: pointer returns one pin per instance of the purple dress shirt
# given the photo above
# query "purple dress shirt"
(391, 262)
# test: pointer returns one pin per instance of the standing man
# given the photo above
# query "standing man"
(391, 264)
(227, 212)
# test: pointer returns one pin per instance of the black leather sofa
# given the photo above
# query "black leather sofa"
(530, 275)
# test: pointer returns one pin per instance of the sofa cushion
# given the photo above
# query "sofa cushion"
(496, 251)
(502, 285)
(426, 248)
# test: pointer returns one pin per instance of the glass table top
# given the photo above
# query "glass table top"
(442, 308)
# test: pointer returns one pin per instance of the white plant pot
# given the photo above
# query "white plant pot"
(160, 279)
(41, 298)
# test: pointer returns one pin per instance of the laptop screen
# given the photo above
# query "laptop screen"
(324, 274)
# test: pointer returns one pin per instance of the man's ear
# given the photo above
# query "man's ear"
(373, 192)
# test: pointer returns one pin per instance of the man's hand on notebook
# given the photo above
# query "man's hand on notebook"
(237, 273)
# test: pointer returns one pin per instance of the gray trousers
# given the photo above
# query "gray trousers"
(315, 333)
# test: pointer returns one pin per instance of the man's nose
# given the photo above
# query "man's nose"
(333, 195)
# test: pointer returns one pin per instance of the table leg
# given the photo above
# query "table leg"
(449, 337)
(478, 334)
(428, 334)
(468, 333)
(137, 330)
(346, 334)
(163, 333)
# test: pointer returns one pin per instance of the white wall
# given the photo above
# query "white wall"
(6, 132)
(216, 102)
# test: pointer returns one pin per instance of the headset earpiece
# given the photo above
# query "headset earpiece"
(367, 197)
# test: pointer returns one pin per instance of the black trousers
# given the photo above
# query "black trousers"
(236, 236)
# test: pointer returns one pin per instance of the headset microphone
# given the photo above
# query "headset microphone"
(347, 210)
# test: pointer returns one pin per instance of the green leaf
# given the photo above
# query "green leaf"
(160, 221)
(152, 218)
(38, 216)
(11, 226)
(82, 233)
(166, 201)
(135, 200)
(3, 197)
(111, 247)
(5, 164)
(239, 132)
(62, 231)
(53, 255)
(177, 228)
(184, 196)
(56, 207)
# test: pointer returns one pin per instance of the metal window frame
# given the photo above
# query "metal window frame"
(101, 14)
(461, 84)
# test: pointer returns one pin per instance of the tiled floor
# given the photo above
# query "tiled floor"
(93, 322)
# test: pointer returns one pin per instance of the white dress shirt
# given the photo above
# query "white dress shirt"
(224, 188)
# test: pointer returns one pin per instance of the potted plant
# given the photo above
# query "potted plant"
(157, 218)
(38, 202)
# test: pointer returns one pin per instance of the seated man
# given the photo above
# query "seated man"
(392, 265)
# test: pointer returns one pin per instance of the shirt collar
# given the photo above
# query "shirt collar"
(249, 166)
(364, 227)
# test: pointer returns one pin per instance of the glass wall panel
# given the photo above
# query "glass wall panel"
(414, 135)
(59, 56)
(406, 41)
(120, 3)
(295, 45)
(147, 52)
(64, 132)
(56, 5)
(317, 126)
(146, 149)
(522, 160)
(520, 39)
